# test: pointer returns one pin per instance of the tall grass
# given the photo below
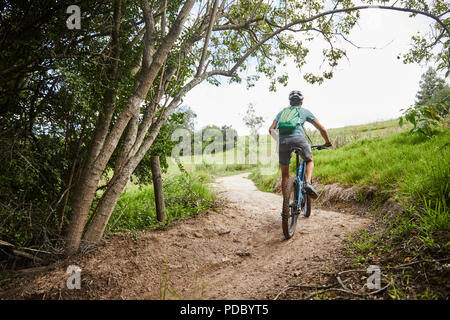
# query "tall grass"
(398, 164)
(210, 170)
(434, 221)
(185, 195)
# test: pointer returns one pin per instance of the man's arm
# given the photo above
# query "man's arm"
(322, 131)
(273, 126)
(272, 130)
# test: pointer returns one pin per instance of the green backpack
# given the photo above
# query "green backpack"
(289, 120)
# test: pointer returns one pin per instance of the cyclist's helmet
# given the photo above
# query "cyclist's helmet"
(295, 97)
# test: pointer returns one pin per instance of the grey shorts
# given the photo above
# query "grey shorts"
(286, 145)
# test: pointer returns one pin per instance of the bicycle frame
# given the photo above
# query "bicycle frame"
(300, 173)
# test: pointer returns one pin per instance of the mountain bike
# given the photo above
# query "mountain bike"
(295, 199)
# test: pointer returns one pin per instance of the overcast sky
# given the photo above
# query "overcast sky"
(373, 85)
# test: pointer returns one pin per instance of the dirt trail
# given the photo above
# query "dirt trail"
(236, 253)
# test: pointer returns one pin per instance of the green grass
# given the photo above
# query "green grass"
(399, 164)
(342, 136)
(264, 182)
(363, 242)
(428, 223)
(212, 170)
(185, 195)
(339, 137)
(413, 170)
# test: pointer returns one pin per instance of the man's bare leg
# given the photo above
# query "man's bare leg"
(284, 177)
(309, 170)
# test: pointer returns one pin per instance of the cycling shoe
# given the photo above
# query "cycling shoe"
(311, 191)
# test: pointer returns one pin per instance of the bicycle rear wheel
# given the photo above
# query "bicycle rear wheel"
(290, 208)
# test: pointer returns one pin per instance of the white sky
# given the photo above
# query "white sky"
(373, 85)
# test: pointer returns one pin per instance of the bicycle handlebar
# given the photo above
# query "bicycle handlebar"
(322, 146)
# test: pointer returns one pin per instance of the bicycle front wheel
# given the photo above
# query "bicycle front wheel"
(290, 208)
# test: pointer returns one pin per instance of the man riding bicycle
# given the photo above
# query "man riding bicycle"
(294, 137)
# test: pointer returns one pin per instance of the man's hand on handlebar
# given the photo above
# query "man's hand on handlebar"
(322, 146)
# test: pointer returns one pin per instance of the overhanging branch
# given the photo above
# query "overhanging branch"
(231, 72)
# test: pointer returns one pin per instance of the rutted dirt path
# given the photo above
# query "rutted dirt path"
(235, 253)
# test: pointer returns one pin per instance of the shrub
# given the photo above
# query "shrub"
(426, 119)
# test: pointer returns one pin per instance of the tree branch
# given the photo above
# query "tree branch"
(208, 37)
(231, 72)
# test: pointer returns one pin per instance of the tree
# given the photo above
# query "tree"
(434, 92)
(189, 118)
(431, 107)
(442, 96)
(48, 106)
(230, 137)
(429, 85)
(252, 120)
(130, 68)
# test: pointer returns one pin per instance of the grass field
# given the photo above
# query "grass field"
(345, 135)
(266, 179)
(399, 164)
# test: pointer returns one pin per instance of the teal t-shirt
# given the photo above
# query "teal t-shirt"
(305, 115)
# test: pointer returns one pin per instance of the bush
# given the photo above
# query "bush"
(426, 119)
(32, 185)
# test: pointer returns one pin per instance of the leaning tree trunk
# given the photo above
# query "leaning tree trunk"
(85, 193)
(85, 189)
(158, 189)
(118, 182)
(109, 199)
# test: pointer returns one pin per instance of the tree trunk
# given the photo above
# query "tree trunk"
(158, 189)
(152, 63)
(86, 187)
(115, 187)
(106, 205)
(118, 182)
